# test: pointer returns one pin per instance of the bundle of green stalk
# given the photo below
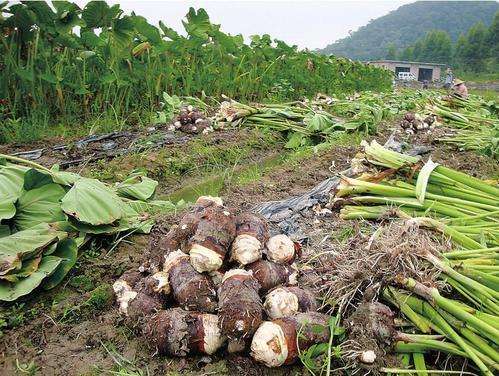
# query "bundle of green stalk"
(462, 118)
(465, 320)
(363, 111)
(47, 216)
(303, 123)
(471, 103)
(483, 139)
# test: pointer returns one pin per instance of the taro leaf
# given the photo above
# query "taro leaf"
(198, 23)
(25, 244)
(138, 187)
(29, 267)
(4, 231)
(317, 122)
(67, 250)
(63, 177)
(121, 225)
(35, 179)
(11, 291)
(152, 207)
(422, 180)
(150, 32)
(40, 205)
(92, 202)
(96, 14)
(295, 141)
(11, 180)
(50, 249)
(7, 208)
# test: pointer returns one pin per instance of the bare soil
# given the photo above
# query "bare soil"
(75, 329)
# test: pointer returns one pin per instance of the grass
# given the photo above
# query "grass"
(488, 95)
(198, 157)
(478, 77)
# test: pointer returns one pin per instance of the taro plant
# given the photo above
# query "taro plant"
(117, 64)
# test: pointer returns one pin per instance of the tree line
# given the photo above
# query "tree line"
(475, 51)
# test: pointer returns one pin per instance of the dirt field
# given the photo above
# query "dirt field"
(75, 329)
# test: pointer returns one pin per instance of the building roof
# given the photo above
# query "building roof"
(406, 62)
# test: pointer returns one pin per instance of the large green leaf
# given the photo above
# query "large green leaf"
(137, 186)
(25, 244)
(34, 179)
(7, 208)
(4, 231)
(67, 250)
(96, 14)
(198, 23)
(147, 30)
(92, 202)
(11, 291)
(39, 205)
(11, 180)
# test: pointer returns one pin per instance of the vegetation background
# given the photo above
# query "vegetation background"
(65, 68)
(409, 23)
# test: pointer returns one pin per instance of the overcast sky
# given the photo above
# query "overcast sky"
(312, 24)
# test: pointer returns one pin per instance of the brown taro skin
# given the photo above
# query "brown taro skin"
(313, 328)
(192, 290)
(177, 332)
(178, 235)
(251, 224)
(270, 274)
(240, 308)
(307, 300)
(146, 302)
(215, 230)
(168, 332)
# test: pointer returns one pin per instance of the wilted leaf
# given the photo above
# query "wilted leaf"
(24, 244)
(11, 291)
(67, 250)
(92, 202)
(39, 205)
(422, 180)
(28, 267)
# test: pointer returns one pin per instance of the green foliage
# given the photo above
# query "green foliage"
(476, 51)
(50, 73)
(404, 26)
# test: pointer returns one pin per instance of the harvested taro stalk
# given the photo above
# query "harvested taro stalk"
(270, 274)
(286, 301)
(277, 342)
(179, 235)
(251, 234)
(214, 234)
(137, 296)
(280, 249)
(192, 290)
(177, 332)
(239, 306)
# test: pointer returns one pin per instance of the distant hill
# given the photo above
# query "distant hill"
(404, 26)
